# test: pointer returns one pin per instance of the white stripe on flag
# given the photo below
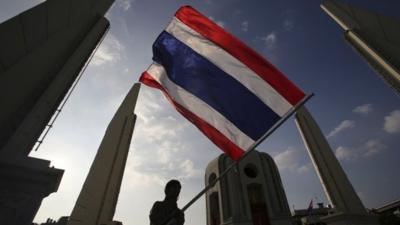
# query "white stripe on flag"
(229, 65)
(200, 108)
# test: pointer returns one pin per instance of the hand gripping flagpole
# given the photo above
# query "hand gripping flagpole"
(247, 152)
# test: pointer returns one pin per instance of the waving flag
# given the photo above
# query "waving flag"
(231, 93)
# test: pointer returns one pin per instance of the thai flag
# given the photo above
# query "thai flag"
(231, 93)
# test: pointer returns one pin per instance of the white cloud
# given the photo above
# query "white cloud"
(149, 168)
(245, 26)
(218, 22)
(109, 51)
(285, 159)
(363, 109)
(373, 147)
(288, 24)
(270, 40)
(124, 4)
(160, 152)
(187, 167)
(136, 177)
(392, 122)
(289, 160)
(304, 168)
(344, 125)
(370, 148)
(345, 153)
(288, 19)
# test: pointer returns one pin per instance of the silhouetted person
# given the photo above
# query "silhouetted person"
(163, 210)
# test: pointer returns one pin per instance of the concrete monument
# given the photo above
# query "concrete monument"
(376, 37)
(348, 208)
(42, 52)
(99, 195)
(251, 194)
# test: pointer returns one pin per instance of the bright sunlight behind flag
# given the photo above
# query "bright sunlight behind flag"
(231, 93)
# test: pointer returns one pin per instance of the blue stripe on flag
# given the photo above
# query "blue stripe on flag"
(218, 89)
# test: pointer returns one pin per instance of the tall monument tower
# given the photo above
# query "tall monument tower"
(99, 195)
(251, 194)
(348, 207)
(42, 52)
(376, 37)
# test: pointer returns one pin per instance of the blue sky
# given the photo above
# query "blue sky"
(357, 112)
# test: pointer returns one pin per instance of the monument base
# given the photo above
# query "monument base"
(24, 184)
(350, 219)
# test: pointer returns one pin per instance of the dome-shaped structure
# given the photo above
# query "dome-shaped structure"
(251, 194)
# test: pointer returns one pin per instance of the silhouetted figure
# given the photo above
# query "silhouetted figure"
(163, 210)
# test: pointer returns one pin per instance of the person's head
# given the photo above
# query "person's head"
(172, 189)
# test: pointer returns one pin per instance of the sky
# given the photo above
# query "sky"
(355, 109)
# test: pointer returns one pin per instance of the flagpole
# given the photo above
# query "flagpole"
(250, 149)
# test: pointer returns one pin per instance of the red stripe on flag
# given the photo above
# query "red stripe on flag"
(231, 149)
(239, 50)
